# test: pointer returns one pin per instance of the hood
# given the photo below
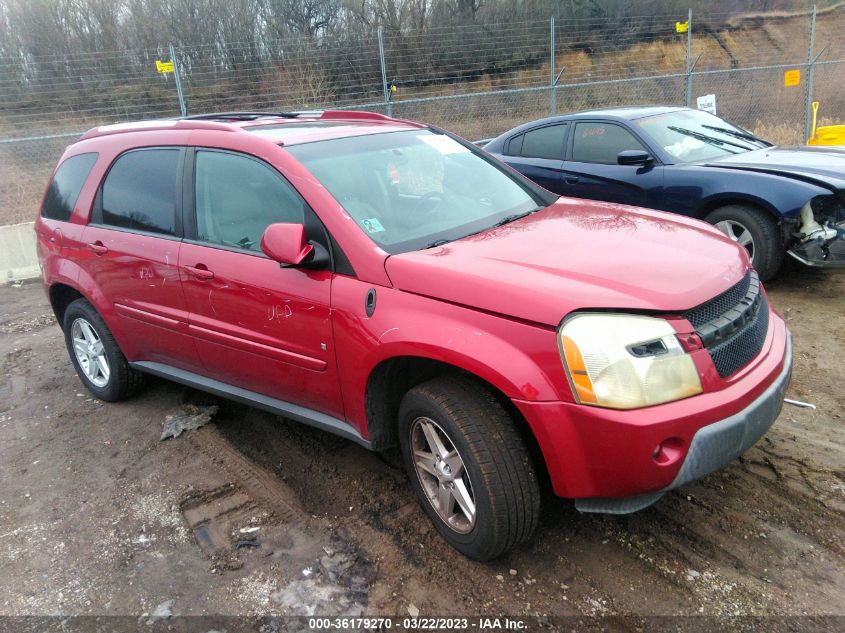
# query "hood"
(819, 165)
(577, 254)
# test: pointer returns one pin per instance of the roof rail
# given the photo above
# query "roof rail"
(355, 114)
(244, 116)
(154, 125)
(366, 115)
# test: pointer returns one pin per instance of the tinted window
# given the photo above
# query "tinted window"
(601, 142)
(140, 191)
(67, 183)
(238, 197)
(514, 146)
(544, 142)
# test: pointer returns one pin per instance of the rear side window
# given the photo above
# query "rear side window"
(140, 191)
(601, 142)
(237, 197)
(545, 142)
(66, 185)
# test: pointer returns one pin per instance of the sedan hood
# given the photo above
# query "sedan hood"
(823, 166)
(577, 254)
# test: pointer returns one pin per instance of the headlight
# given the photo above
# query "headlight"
(625, 361)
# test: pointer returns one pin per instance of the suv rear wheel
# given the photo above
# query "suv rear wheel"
(95, 354)
(469, 467)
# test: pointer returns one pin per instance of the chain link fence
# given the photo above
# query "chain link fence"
(477, 80)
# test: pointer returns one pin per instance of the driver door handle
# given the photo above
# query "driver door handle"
(200, 272)
(571, 180)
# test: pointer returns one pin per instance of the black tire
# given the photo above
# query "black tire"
(502, 477)
(122, 381)
(768, 243)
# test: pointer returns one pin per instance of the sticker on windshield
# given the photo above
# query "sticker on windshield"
(372, 225)
(443, 144)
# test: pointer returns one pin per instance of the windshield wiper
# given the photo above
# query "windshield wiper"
(738, 134)
(704, 138)
(437, 243)
(513, 217)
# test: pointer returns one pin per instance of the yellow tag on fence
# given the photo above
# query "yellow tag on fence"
(792, 78)
(164, 67)
(681, 27)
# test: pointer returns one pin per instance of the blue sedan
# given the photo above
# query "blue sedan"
(772, 200)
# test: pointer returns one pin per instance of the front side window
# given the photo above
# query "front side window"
(237, 197)
(601, 143)
(140, 191)
(66, 186)
(411, 189)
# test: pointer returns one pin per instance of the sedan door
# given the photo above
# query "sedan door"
(592, 170)
(256, 325)
(538, 154)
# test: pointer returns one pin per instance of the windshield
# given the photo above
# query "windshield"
(415, 189)
(693, 135)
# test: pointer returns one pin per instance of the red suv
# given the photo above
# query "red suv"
(388, 282)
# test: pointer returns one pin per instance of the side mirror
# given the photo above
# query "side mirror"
(286, 244)
(634, 157)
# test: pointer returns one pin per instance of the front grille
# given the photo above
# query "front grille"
(733, 326)
(715, 308)
(731, 355)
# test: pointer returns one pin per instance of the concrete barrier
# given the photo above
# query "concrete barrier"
(18, 257)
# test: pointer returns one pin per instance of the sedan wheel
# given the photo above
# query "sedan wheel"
(739, 234)
(442, 475)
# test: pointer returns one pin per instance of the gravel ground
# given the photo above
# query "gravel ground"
(252, 514)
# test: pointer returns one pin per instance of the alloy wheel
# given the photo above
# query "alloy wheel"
(442, 475)
(739, 233)
(90, 352)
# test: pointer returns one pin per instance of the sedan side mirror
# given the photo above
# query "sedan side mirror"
(634, 157)
(286, 244)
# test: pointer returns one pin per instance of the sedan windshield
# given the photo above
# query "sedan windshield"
(693, 135)
(416, 189)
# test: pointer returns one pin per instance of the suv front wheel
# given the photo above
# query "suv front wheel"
(95, 354)
(469, 467)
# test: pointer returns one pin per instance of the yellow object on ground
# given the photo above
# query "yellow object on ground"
(827, 135)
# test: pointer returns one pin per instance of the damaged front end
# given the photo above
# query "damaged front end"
(819, 237)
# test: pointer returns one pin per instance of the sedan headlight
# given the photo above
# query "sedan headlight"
(625, 361)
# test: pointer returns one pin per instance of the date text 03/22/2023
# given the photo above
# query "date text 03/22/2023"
(416, 624)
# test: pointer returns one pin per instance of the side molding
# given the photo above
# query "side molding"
(280, 407)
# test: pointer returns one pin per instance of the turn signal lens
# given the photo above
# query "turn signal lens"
(624, 361)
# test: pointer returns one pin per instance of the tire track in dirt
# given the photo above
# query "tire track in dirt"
(256, 481)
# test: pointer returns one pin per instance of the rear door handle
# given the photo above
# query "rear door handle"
(97, 248)
(200, 272)
(571, 180)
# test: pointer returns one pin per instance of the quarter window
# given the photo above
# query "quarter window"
(601, 142)
(237, 197)
(66, 185)
(140, 191)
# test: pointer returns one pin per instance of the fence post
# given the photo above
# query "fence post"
(182, 107)
(388, 104)
(688, 63)
(811, 64)
(552, 79)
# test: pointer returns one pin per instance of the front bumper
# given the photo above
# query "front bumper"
(712, 447)
(606, 458)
